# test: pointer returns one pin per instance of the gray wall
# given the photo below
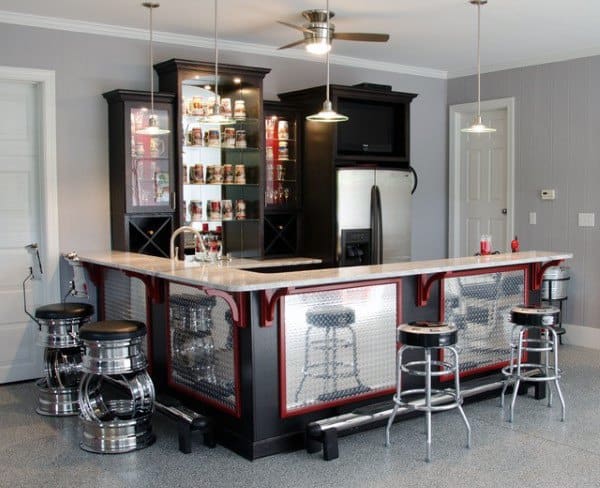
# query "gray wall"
(557, 146)
(88, 65)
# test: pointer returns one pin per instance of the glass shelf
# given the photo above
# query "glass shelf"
(219, 221)
(241, 149)
(221, 184)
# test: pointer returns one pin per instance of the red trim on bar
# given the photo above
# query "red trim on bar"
(424, 286)
(268, 302)
(239, 298)
(441, 308)
(538, 272)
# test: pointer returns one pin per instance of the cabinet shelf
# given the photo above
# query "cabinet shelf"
(220, 221)
(273, 139)
(227, 148)
(220, 184)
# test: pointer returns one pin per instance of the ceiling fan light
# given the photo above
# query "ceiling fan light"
(318, 46)
(327, 114)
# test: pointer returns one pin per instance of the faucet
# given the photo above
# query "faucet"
(180, 230)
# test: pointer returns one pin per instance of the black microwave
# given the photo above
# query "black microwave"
(373, 128)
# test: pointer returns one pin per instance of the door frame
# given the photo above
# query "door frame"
(455, 112)
(45, 83)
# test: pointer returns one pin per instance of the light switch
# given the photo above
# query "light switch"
(586, 219)
(532, 218)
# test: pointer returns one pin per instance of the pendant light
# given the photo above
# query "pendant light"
(153, 127)
(478, 127)
(327, 114)
(216, 117)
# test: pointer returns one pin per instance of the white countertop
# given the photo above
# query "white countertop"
(238, 274)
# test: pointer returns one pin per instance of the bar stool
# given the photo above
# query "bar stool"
(113, 354)
(539, 319)
(328, 333)
(428, 337)
(59, 325)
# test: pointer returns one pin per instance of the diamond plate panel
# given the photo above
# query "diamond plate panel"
(480, 307)
(201, 344)
(339, 344)
(125, 299)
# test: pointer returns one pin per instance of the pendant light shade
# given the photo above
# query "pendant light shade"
(478, 127)
(327, 114)
(153, 127)
(215, 117)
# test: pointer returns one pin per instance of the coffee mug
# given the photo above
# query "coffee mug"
(227, 209)
(196, 210)
(157, 147)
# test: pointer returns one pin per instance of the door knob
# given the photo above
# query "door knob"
(504, 211)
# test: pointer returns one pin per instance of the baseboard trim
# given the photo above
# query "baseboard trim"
(580, 335)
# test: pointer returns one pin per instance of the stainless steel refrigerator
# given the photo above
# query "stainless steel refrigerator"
(374, 215)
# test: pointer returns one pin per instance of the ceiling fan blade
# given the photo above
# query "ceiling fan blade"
(292, 44)
(293, 26)
(361, 36)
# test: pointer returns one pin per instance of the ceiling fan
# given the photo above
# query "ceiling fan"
(318, 33)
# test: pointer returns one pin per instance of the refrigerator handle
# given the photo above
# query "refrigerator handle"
(416, 183)
(376, 231)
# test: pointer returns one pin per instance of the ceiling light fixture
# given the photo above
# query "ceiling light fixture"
(216, 117)
(478, 127)
(327, 114)
(153, 127)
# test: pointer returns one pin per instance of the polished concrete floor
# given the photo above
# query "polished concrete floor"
(536, 451)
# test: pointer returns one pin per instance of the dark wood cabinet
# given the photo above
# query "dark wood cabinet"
(142, 173)
(283, 191)
(377, 134)
(220, 169)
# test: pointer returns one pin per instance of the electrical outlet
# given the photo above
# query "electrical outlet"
(532, 218)
(586, 219)
(548, 194)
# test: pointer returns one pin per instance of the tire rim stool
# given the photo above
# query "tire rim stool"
(113, 359)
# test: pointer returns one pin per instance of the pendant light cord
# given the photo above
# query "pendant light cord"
(216, 58)
(479, 60)
(151, 54)
(329, 42)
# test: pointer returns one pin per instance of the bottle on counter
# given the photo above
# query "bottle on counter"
(514, 245)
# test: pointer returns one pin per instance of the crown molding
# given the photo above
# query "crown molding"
(94, 28)
(553, 58)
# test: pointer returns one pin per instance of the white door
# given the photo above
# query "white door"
(481, 184)
(20, 357)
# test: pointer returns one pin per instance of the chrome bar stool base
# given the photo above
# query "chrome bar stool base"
(55, 401)
(118, 435)
(59, 334)
(529, 319)
(428, 337)
(113, 355)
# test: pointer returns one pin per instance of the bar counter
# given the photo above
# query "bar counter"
(265, 353)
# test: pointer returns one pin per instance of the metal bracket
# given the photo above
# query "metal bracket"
(236, 303)
(424, 285)
(538, 271)
(268, 302)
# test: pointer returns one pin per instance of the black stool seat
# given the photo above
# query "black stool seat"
(58, 311)
(535, 315)
(330, 316)
(112, 330)
(428, 334)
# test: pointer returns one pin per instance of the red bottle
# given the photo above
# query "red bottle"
(514, 244)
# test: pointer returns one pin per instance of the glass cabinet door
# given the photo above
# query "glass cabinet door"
(280, 158)
(149, 177)
(221, 164)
